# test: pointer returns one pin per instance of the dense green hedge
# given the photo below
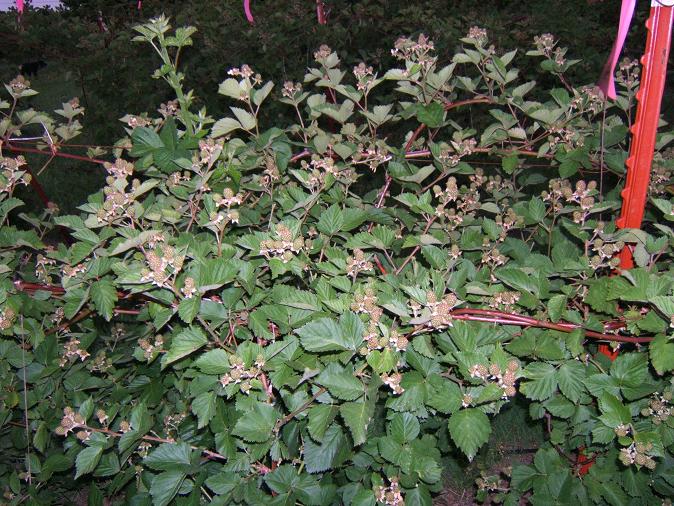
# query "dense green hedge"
(234, 322)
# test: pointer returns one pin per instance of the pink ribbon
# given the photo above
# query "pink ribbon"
(19, 6)
(606, 81)
(249, 14)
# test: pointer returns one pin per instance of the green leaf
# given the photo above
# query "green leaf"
(571, 376)
(189, 308)
(320, 417)
(469, 429)
(556, 307)
(165, 486)
(319, 458)
(536, 209)
(104, 297)
(431, 115)
(224, 126)
(170, 457)
(661, 351)
(404, 427)
(510, 163)
(543, 381)
(614, 413)
(246, 119)
(257, 424)
(87, 460)
(341, 382)
(204, 407)
(186, 342)
(383, 361)
(331, 220)
(324, 334)
(357, 417)
(213, 362)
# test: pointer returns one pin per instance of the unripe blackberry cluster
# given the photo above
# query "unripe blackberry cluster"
(622, 430)
(605, 254)
(637, 453)
(68, 271)
(417, 51)
(101, 362)
(12, 175)
(460, 149)
(393, 382)
(227, 199)
(42, 268)
(7, 318)
(291, 89)
(189, 288)
(72, 350)
(70, 421)
(391, 495)
(118, 201)
(209, 151)
(659, 407)
(150, 350)
(357, 263)
(240, 375)
(504, 300)
(628, 73)
(283, 246)
(372, 156)
(505, 379)
(438, 312)
(365, 76)
(493, 258)
(163, 264)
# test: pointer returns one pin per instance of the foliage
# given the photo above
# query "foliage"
(233, 322)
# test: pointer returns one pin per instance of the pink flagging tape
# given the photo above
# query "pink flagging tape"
(249, 14)
(606, 81)
(19, 6)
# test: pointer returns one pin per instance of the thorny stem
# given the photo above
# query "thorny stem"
(416, 248)
(299, 410)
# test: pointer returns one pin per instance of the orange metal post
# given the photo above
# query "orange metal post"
(649, 97)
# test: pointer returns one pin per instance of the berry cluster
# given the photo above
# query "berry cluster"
(504, 379)
(283, 245)
(391, 495)
(637, 453)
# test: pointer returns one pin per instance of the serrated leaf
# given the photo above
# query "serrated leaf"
(340, 382)
(431, 115)
(613, 411)
(320, 417)
(661, 351)
(320, 458)
(556, 307)
(186, 342)
(331, 220)
(203, 406)
(165, 486)
(469, 429)
(542, 381)
(324, 334)
(257, 424)
(224, 126)
(571, 376)
(189, 308)
(404, 427)
(536, 209)
(87, 460)
(357, 416)
(104, 296)
(246, 119)
(169, 456)
(213, 362)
